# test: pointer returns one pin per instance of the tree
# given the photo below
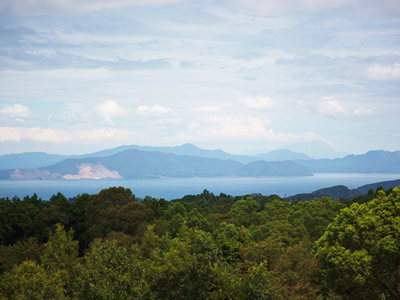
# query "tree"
(102, 211)
(245, 210)
(229, 239)
(49, 280)
(360, 250)
(109, 271)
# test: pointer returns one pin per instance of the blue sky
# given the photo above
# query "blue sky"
(81, 76)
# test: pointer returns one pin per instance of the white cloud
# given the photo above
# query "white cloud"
(155, 110)
(63, 136)
(16, 110)
(104, 134)
(257, 102)
(206, 109)
(334, 109)
(232, 129)
(330, 108)
(361, 112)
(378, 72)
(109, 110)
(235, 128)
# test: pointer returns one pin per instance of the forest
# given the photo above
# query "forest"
(111, 245)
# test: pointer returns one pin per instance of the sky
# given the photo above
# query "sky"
(78, 76)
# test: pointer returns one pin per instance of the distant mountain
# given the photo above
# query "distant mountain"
(192, 150)
(385, 184)
(34, 160)
(29, 160)
(372, 162)
(316, 150)
(145, 164)
(281, 155)
(335, 192)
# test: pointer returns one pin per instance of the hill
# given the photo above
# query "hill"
(282, 154)
(385, 184)
(144, 164)
(316, 150)
(335, 192)
(34, 160)
(371, 162)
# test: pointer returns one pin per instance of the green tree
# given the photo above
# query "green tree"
(229, 239)
(102, 211)
(50, 280)
(109, 271)
(245, 211)
(190, 268)
(360, 250)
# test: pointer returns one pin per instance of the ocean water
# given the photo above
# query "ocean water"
(172, 188)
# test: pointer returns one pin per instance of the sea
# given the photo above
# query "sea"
(175, 188)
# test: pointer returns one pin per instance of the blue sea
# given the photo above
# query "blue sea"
(173, 188)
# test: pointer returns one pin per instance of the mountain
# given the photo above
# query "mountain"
(385, 184)
(281, 155)
(34, 160)
(274, 168)
(371, 162)
(316, 150)
(192, 150)
(29, 160)
(145, 164)
(335, 192)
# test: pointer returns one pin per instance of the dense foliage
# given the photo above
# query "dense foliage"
(110, 246)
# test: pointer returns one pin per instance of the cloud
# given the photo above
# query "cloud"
(334, 109)
(16, 110)
(156, 110)
(257, 102)
(12, 36)
(43, 7)
(206, 109)
(330, 108)
(109, 110)
(379, 72)
(17, 134)
(105, 113)
(257, 7)
(282, 7)
(20, 60)
(360, 112)
(248, 129)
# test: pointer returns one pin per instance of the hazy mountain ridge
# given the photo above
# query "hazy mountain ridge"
(316, 150)
(145, 164)
(377, 161)
(34, 160)
(282, 155)
(29, 160)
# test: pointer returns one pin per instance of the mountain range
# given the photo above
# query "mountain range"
(134, 163)
(187, 161)
(377, 161)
